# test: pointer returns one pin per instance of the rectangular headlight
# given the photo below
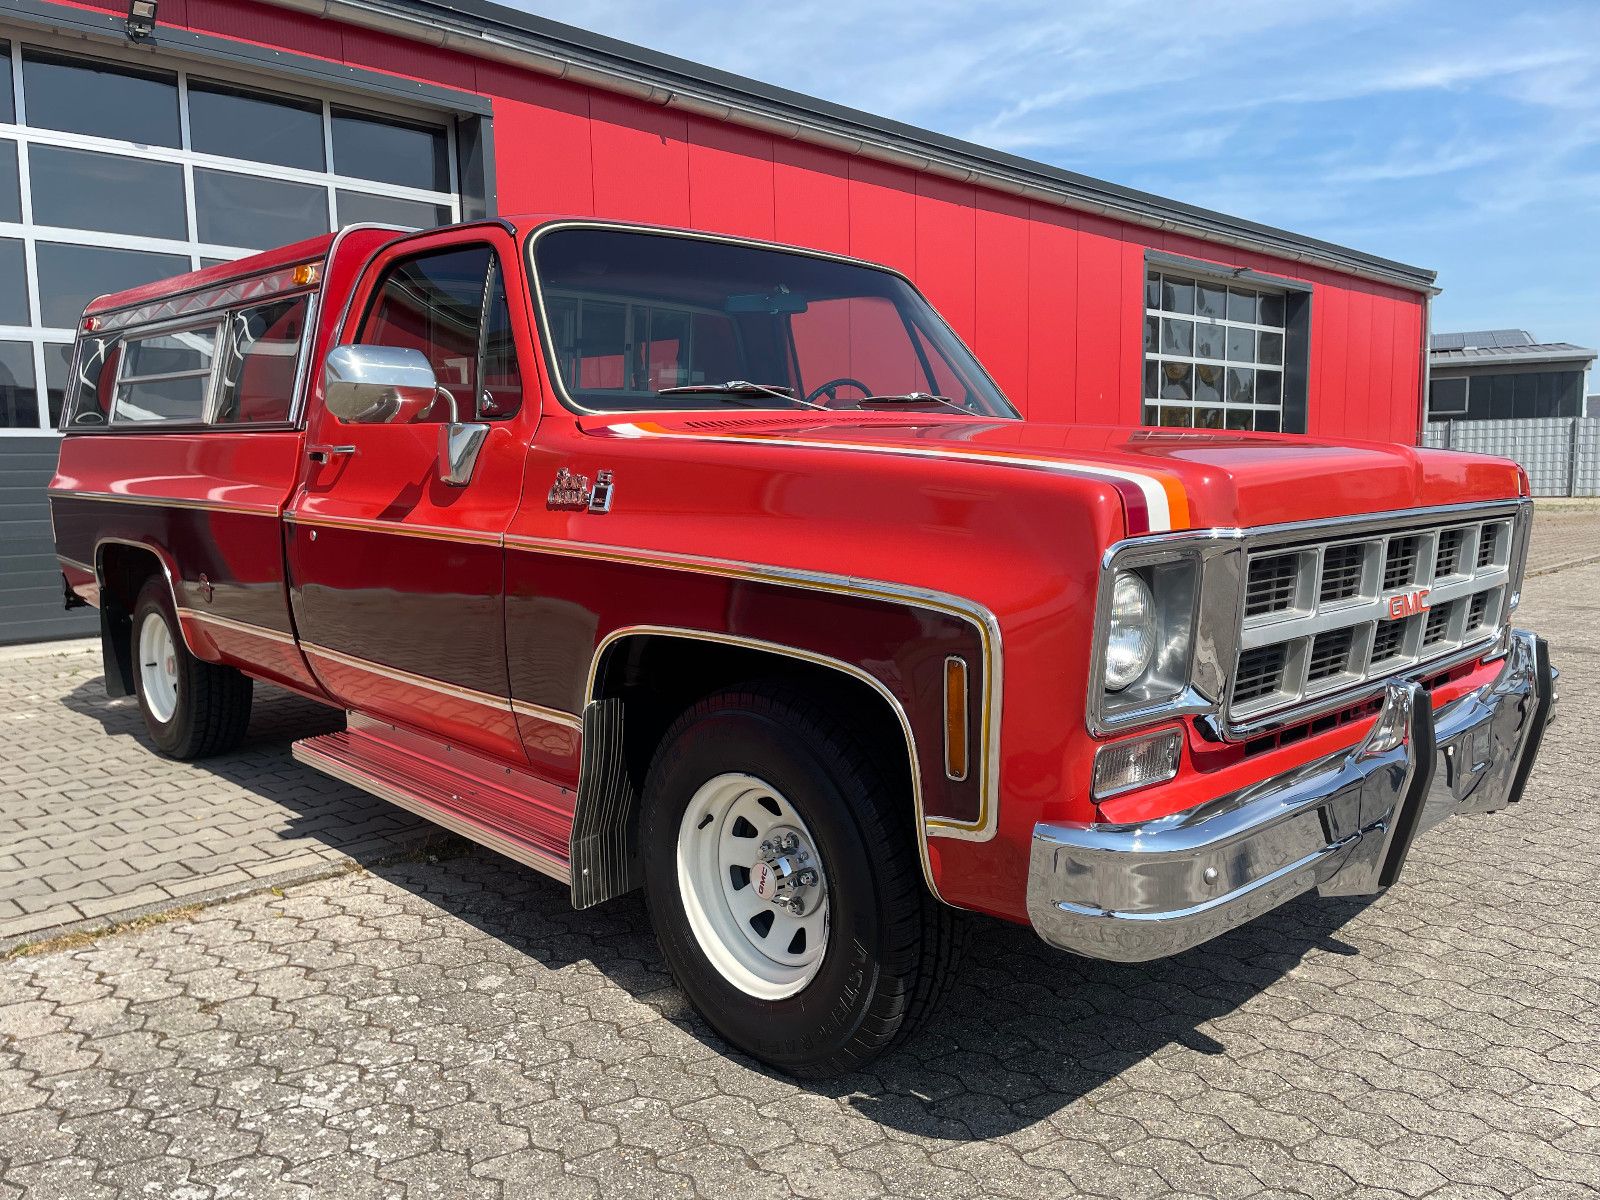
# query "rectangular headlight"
(1172, 584)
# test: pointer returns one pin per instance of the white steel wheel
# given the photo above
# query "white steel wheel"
(753, 886)
(158, 667)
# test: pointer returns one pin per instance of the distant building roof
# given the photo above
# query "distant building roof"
(1501, 346)
(1493, 339)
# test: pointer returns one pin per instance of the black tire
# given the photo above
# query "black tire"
(212, 712)
(891, 949)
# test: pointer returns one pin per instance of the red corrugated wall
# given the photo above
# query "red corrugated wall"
(1049, 298)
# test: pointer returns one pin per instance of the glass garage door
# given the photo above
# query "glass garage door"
(112, 175)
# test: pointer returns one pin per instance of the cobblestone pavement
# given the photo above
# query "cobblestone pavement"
(94, 823)
(1564, 532)
(443, 1029)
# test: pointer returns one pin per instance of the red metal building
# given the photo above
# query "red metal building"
(1089, 302)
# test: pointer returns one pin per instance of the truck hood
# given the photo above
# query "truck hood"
(1168, 479)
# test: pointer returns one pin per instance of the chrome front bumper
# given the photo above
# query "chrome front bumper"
(1342, 824)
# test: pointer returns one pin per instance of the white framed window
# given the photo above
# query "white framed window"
(1216, 353)
(114, 174)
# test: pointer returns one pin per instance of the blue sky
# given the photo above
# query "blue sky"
(1456, 135)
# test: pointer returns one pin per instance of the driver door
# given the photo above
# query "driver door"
(397, 574)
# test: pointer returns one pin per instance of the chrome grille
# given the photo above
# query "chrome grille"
(1322, 616)
(1388, 639)
(1479, 614)
(1273, 579)
(1438, 627)
(1487, 545)
(1341, 572)
(1260, 673)
(1399, 562)
(1330, 655)
(1447, 559)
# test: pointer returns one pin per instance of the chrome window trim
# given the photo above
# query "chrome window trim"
(305, 382)
(1218, 627)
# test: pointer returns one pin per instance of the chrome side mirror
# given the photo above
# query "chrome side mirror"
(378, 385)
(389, 385)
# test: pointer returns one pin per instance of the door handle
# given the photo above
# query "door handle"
(325, 454)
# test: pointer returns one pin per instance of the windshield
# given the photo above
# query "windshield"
(640, 320)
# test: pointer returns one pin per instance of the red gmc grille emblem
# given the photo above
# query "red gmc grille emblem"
(1408, 604)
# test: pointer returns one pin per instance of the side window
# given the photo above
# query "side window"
(451, 305)
(89, 392)
(165, 377)
(261, 362)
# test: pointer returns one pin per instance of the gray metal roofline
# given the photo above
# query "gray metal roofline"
(492, 31)
(1533, 356)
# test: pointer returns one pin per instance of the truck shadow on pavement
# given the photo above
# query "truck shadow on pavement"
(1025, 1031)
(294, 807)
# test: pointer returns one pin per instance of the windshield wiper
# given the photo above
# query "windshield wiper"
(735, 388)
(914, 398)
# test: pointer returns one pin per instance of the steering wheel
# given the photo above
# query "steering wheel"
(832, 388)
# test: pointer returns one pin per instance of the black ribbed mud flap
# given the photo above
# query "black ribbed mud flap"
(605, 828)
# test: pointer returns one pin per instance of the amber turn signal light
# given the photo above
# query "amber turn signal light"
(955, 718)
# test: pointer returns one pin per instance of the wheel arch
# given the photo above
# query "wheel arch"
(624, 720)
(121, 568)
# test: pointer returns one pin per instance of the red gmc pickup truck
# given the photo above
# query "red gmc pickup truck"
(658, 559)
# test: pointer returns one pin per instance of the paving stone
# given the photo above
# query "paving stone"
(107, 826)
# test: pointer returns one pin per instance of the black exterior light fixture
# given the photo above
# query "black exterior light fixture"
(141, 18)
